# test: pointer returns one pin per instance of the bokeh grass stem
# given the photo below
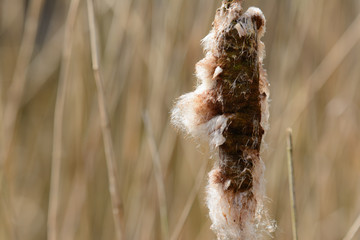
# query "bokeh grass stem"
(291, 183)
(58, 123)
(353, 229)
(105, 128)
(159, 178)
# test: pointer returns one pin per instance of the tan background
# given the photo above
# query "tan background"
(148, 49)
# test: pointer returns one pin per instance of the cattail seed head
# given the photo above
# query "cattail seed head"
(229, 108)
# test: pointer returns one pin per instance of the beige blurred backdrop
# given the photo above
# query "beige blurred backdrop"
(147, 51)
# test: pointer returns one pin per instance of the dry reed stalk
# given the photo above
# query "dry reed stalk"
(16, 89)
(159, 178)
(72, 213)
(229, 107)
(353, 229)
(13, 102)
(105, 128)
(58, 122)
(189, 203)
(291, 183)
(324, 70)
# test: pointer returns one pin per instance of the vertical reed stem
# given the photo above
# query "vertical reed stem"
(16, 89)
(58, 122)
(105, 128)
(291, 183)
(13, 102)
(159, 178)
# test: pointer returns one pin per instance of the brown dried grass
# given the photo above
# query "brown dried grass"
(147, 52)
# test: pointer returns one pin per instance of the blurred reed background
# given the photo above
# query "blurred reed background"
(147, 51)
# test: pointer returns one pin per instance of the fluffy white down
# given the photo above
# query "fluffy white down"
(237, 217)
(225, 212)
(186, 119)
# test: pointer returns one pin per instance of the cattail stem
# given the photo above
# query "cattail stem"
(291, 183)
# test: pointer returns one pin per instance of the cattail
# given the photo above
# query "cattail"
(229, 108)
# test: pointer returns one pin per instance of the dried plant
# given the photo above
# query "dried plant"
(229, 108)
(145, 53)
